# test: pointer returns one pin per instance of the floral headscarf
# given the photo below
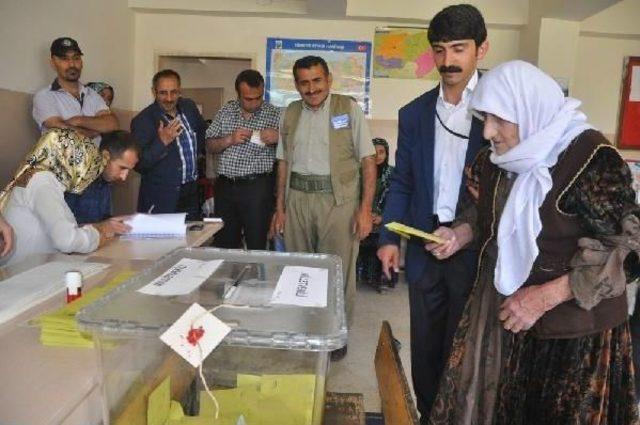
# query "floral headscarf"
(74, 159)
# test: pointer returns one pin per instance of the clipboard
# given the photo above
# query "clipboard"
(408, 231)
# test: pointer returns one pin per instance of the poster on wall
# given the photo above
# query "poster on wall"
(403, 53)
(349, 63)
(628, 135)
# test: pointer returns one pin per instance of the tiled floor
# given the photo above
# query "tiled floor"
(356, 373)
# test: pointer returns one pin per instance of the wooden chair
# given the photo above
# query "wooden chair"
(398, 407)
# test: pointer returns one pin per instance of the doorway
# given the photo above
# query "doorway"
(210, 83)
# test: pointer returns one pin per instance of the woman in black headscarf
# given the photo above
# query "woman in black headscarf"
(369, 268)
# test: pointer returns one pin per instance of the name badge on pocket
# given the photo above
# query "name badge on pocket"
(340, 121)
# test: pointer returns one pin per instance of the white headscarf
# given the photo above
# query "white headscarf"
(520, 93)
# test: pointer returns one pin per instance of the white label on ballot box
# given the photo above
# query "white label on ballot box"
(195, 334)
(302, 286)
(181, 278)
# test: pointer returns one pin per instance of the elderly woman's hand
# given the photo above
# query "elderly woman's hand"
(521, 311)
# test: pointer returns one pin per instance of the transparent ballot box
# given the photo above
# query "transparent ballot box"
(269, 369)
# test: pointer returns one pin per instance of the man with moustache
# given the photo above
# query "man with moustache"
(244, 134)
(67, 103)
(171, 133)
(324, 143)
(437, 138)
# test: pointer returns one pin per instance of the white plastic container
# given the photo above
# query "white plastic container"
(267, 341)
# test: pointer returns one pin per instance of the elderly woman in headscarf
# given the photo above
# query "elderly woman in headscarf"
(544, 338)
(368, 266)
(104, 90)
(33, 202)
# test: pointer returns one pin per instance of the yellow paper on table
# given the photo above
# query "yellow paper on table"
(233, 403)
(293, 394)
(242, 400)
(199, 420)
(175, 411)
(408, 231)
(244, 380)
(159, 403)
(59, 327)
(263, 399)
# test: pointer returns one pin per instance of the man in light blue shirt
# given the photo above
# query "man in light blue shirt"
(67, 103)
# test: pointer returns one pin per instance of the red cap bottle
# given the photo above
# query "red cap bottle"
(73, 280)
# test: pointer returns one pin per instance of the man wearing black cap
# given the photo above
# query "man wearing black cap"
(66, 103)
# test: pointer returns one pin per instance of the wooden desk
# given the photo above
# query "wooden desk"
(56, 385)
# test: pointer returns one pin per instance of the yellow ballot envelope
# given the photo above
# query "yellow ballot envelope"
(408, 231)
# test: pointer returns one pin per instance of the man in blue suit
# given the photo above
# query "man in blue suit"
(171, 134)
(437, 138)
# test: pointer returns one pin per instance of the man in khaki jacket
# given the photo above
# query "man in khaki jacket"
(324, 142)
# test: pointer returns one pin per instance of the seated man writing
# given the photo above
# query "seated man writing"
(33, 202)
(122, 152)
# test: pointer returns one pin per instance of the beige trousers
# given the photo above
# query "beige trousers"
(315, 224)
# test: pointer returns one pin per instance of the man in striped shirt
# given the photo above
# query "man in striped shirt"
(171, 133)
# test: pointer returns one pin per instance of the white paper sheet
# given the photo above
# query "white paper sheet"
(157, 226)
(302, 286)
(27, 289)
(255, 138)
(195, 334)
(181, 278)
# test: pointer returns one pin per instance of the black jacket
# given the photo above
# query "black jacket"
(160, 166)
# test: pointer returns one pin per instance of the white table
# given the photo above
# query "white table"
(55, 385)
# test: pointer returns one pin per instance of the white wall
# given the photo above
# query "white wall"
(605, 39)
(223, 6)
(621, 18)
(598, 78)
(200, 73)
(558, 42)
(506, 12)
(245, 37)
(103, 29)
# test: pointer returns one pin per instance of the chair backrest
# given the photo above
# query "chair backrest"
(398, 407)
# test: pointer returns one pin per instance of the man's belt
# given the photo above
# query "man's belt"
(244, 179)
(310, 183)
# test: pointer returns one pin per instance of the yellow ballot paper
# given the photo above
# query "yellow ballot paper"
(159, 403)
(58, 328)
(259, 400)
(407, 231)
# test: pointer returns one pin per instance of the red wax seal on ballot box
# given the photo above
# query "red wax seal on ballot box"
(194, 335)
